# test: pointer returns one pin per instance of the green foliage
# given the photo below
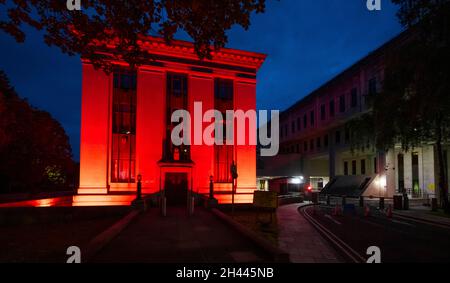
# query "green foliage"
(122, 22)
(413, 106)
(35, 153)
(361, 131)
(55, 175)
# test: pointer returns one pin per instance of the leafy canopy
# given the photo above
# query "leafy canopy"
(122, 22)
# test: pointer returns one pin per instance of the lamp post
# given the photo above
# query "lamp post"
(234, 175)
(211, 202)
(139, 187)
(211, 187)
(139, 203)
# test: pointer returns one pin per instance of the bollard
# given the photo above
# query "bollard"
(337, 210)
(191, 210)
(328, 200)
(163, 206)
(405, 202)
(315, 197)
(366, 211)
(381, 205)
(389, 211)
(361, 201)
(434, 204)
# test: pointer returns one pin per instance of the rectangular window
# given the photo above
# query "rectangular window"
(332, 108)
(342, 104)
(176, 99)
(354, 95)
(318, 143)
(347, 135)
(338, 137)
(305, 121)
(401, 173)
(446, 164)
(312, 120)
(223, 157)
(372, 89)
(293, 127)
(354, 167)
(325, 140)
(363, 167)
(224, 154)
(415, 175)
(123, 149)
(322, 112)
(299, 124)
(345, 168)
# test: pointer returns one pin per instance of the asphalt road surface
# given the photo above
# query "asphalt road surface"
(400, 240)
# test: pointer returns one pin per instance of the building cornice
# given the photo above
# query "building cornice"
(158, 49)
(184, 49)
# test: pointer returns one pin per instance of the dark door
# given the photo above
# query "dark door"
(176, 186)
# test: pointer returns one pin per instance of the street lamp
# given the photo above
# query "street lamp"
(139, 187)
(211, 187)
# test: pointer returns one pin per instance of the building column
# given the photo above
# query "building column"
(95, 131)
(408, 171)
(428, 171)
(332, 162)
(389, 170)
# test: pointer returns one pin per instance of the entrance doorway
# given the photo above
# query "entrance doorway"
(176, 189)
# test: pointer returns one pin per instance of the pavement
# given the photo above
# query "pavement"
(423, 213)
(416, 211)
(400, 239)
(177, 238)
(301, 240)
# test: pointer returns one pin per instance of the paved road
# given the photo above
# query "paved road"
(303, 243)
(400, 240)
(178, 238)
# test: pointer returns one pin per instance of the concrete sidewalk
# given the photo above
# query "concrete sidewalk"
(178, 238)
(301, 240)
(423, 213)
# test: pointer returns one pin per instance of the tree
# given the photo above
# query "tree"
(123, 22)
(412, 108)
(35, 153)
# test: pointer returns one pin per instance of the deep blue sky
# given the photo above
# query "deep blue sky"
(308, 42)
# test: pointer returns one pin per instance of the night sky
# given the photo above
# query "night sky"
(308, 42)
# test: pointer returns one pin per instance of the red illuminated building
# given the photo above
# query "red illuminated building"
(125, 125)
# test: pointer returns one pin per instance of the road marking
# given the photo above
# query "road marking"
(335, 240)
(332, 219)
(422, 221)
(404, 223)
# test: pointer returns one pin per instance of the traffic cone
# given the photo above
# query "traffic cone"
(389, 211)
(337, 210)
(366, 211)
